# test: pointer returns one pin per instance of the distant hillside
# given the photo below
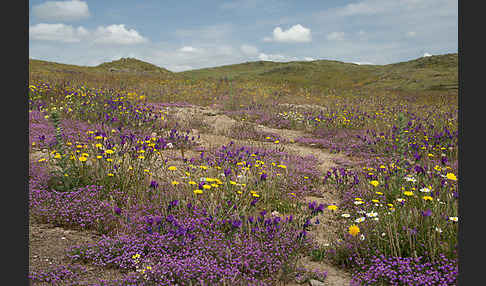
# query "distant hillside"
(426, 73)
(131, 65)
(434, 73)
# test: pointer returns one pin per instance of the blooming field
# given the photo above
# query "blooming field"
(105, 160)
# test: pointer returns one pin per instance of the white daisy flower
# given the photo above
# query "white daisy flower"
(410, 179)
(372, 214)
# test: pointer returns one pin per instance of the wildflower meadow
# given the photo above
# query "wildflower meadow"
(174, 201)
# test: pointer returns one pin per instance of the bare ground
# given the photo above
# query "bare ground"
(48, 244)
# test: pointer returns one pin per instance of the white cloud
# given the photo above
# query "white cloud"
(248, 50)
(363, 63)
(411, 34)
(61, 11)
(427, 55)
(117, 34)
(309, 59)
(187, 49)
(276, 57)
(113, 34)
(57, 32)
(335, 36)
(179, 68)
(295, 34)
(361, 8)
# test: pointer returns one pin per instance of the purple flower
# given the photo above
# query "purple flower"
(117, 210)
(227, 172)
(236, 223)
(154, 184)
(149, 220)
(307, 223)
(263, 176)
(312, 205)
(426, 213)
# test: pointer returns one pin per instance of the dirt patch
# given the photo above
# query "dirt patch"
(203, 118)
(48, 246)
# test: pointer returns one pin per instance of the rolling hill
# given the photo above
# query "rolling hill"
(427, 73)
(434, 73)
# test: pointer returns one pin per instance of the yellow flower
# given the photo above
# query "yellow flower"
(58, 156)
(172, 168)
(427, 198)
(192, 183)
(379, 193)
(282, 166)
(198, 191)
(109, 151)
(175, 183)
(110, 174)
(374, 183)
(141, 157)
(408, 193)
(206, 187)
(353, 230)
(42, 160)
(136, 256)
(256, 195)
(451, 176)
(332, 207)
(83, 159)
(276, 141)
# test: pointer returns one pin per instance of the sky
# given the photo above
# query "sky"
(186, 35)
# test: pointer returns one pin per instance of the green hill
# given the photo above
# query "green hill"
(434, 73)
(427, 73)
(131, 65)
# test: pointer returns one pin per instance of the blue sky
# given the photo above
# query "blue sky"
(185, 35)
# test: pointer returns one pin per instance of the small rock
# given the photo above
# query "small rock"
(313, 282)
